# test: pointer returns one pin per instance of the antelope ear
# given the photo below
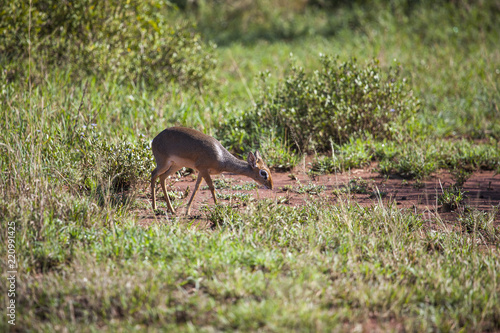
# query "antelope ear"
(257, 155)
(252, 160)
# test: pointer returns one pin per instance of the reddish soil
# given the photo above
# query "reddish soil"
(482, 193)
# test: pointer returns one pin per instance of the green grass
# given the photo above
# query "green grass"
(311, 189)
(269, 266)
(75, 161)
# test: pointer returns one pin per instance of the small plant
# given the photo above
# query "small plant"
(418, 184)
(219, 184)
(409, 165)
(465, 156)
(357, 186)
(482, 223)
(248, 186)
(309, 189)
(279, 154)
(460, 175)
(283, 200)
(413, 221)
(178, 195)
(160, 212)
(451, 198)
(238, 197)
(354, 154)
(377, 194)
(220, 215)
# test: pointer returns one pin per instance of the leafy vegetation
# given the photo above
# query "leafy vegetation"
(356, 154)
(133, 41)
(481, 224)
(340, 101)
(451, 198)
(85, 85)
(124, 164)
(358, 186)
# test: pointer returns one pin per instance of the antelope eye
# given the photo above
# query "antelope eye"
(263, 174)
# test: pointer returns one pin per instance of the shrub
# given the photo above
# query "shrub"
(278, 154)
(123, 163)
(87, 160)
(242, 132)
(337, 102)
(133, 40)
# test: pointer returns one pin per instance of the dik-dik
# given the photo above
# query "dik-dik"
(178, 147)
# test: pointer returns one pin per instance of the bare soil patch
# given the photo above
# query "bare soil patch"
(365, 187)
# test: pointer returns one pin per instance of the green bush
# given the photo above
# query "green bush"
(337, 102)
(123, 164)
(278, 154)
(242, 132)
(89, 161)
(133, 40)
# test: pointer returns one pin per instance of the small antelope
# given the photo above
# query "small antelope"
(178, 147)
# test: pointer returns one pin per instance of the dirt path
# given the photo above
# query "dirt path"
(362, 186)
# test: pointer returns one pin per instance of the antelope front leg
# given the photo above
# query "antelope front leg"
(196, 186)
(210, 186)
